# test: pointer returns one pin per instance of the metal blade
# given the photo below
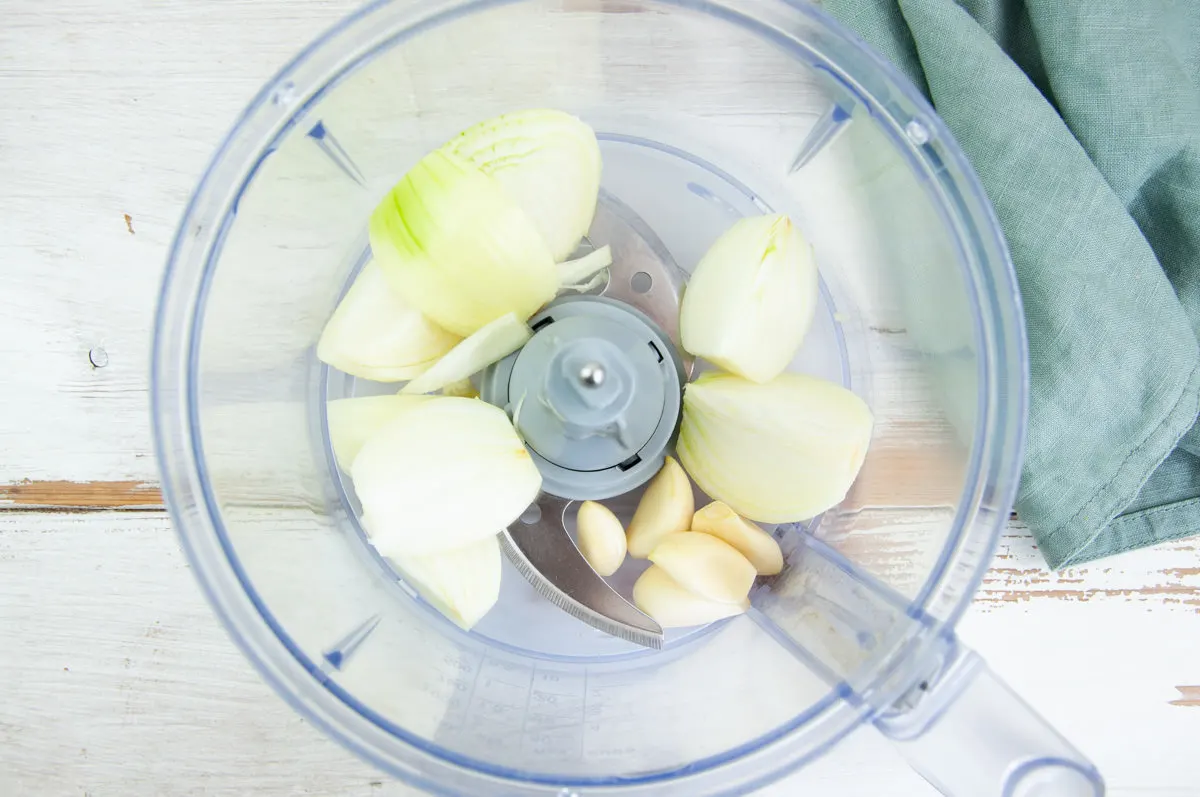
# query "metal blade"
(543, 550)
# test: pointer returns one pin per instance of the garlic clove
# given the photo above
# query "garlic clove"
(443, 474)
(719, 521)
(601, 537)
(778, 452)
(666, 507)
(672, 606)
(462, 583)
(751, 298)
(352, 421)
(705, 566)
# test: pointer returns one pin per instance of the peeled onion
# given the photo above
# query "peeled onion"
(751, 299)
(352, 421)
(549, 163)
(463, 583)
(777, 452)
(490, 343)
(453, 244)
(375, 334)
(443, 474)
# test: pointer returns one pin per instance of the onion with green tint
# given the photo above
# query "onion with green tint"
(470, 234)
(375, 334)
(458, 248)
(548, 162)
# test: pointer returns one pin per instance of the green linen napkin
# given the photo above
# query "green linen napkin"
(1082, 118)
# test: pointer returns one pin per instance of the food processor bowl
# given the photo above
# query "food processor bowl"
(706, 112)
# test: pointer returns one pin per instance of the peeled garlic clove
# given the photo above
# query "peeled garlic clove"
(375, 334)
(666, 507)
(751, 299)
(672, 606)
(463, 584)
(777, 452)
(490, 343)
(352, 421)
(601, 537)
(443, 474)
(718, 520)
(453, 244)
(705, 566)
(548, 162)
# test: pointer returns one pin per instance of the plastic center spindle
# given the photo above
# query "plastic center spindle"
(595, 394)
(591, 375)
(589, 388)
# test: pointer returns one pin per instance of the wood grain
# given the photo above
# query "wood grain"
(1188, 696)
(116, 678)
(107, 110)
(84, 496)
(1017, 577)
(150, 696)
(138, 692)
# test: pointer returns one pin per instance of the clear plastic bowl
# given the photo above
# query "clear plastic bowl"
(706, 111)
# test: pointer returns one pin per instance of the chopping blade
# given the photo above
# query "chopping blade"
(601, 386)
(544, 547)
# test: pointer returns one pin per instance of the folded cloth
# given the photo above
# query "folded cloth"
(1082, 119)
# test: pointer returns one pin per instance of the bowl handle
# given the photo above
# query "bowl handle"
(966, 732)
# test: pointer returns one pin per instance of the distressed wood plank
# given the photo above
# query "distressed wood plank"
(1164, 577)
(117, 679)
(1188, 696)
(148, 669)
(139, 692)
(108, 112)
(27, 495)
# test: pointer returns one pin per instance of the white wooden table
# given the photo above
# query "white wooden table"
(115, 678)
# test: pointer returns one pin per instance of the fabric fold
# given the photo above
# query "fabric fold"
(1082, 119)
